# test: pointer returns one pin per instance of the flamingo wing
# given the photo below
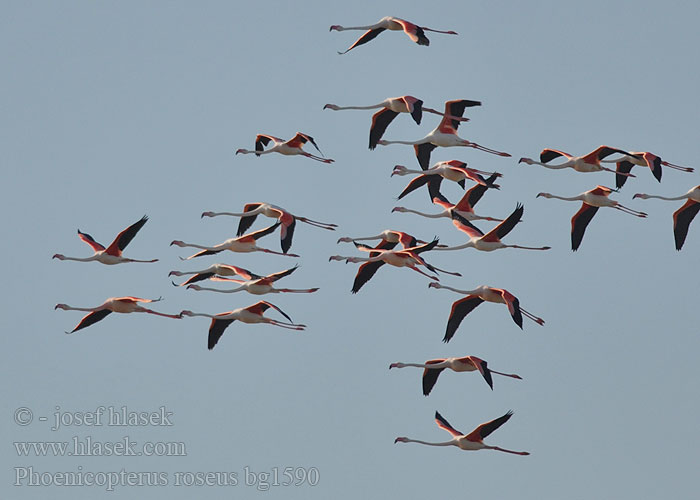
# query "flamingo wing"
(368, 36)
(263, 305)
(423, 154)
(423, 248)
(505, 227)
(91, 319)
(286, 234)
(125, 237)
(197, 277)
(247, 220)
(442, 201)
(430, 375)
(262, 232)
(365, 273)
(415, 107)
(216, 330)
(622, 167)
(380, 121)
(459, 310)
(262, 140)
(465, 226)
(579, 222)
(456, 108)
(487, 428)
(414, 32)
(275, 276)
(301, 138)
(480, 365)
(654, 163)
(601, 153)
(90, 241)
(548, 155)
(444, 424)
(682, 219)
(474, 194)
(419, 181)
(243, 273)
(513, 306)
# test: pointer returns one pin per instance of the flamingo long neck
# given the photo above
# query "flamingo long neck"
(86, 309)
(419, 365)
(205, 315)
(197, 246)
(240, 288)
(430, 216)
(216, 214)
(81, 259)
(445, 443)
(410, 143)
(465, 292)
(373, 106)
(345, 28)
(565, 198)
(673, 198)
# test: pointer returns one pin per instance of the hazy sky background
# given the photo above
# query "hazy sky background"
(115, 110)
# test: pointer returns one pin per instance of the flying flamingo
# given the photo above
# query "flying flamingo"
(592, 200)
(113, 304)
(492, 240)
(444, 135)
(285, 218)
(389, 239)
(113, 253)
(244, 244)
(391, 107)
(453, 170)
(251, 314)
(257, 286)
(215, 270)
(471, 441)
(641, 159)
(288, 148)
(464, 206)
(433, 368)
(586, 163)
(408, 257)
(684, 215)
(475, 297)
(414, 32)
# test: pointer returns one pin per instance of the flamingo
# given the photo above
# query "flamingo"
(684, 215)
(251, 314)
(492, 240)
(471, 441)
(244, 244)
(408, 257)
(586, 163)
(389, 239)
(215, 270)
(475, 297)
(444, 135)
(642, 159)
(391, 107)
(453, 170)
(113, 253)
(285, 218)
(257, 286)
(112, 304)
(288, 148)
(464, 206)
(592, 200)
(433, 368)
(414, 32)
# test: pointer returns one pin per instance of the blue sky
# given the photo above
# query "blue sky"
(112, 111)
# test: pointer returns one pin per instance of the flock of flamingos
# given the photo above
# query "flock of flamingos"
(410, 255)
